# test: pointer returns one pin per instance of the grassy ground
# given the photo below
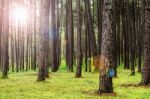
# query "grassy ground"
(63, 85)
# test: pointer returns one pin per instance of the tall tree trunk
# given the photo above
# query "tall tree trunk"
(107, 50)
(66, 37)
(86, 47)
(114, 29)
(132, 38)
(140, 36)
(70, 31)
(99, 10)
(126, 32)
(79, 49)
(6, 39)
(44, 30)
(1, 14)
(35, 39)
(146, 68)
(90, 28)
(55, 37)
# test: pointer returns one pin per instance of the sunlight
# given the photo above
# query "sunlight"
(20, 15)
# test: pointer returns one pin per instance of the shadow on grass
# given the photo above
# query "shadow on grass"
(4, 77)
(96, 93)
(82, 77)
(31, 74)
(129, 85)
(135, 85)
(42, 82)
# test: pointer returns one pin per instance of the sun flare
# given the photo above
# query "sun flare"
(20, 15)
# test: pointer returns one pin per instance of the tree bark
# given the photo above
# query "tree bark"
(146, 68)
(70, 39)
(1, 14)
(107, 50)
(79, 49)
(6, 40)
(55, 38)
(91, 34)
(44, 30)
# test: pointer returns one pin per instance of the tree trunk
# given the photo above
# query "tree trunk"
(54, 38)
(70, 35)
(107, 50)
(1, 14)
(91, 35)
(99, 10)
(6, 40)
(146, 68)
(44, 30)
(79, 49)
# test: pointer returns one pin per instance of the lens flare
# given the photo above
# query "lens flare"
(20, 15)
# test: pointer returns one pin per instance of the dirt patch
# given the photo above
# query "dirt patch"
(145, 86)
(78, 77)
(96, 93)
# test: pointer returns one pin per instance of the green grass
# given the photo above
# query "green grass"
(63, 85)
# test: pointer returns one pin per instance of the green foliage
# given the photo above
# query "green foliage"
(64, 85)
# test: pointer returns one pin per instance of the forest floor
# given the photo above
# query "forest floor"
(64, 85)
